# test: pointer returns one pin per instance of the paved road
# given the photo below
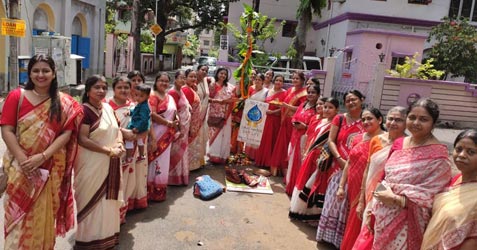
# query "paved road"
(231, 221)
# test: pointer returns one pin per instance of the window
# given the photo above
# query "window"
(206, 42)
(397, 60)
(348, 57)
(463, 8)
(289, 29)
(420, 1)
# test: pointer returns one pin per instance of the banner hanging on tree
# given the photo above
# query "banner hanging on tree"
(253, 122)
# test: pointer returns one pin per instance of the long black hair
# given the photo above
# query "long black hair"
(92, 80)
(55, 107)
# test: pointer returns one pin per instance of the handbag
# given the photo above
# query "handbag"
(3, 176)
(326, 157)
(215, 121)
(207, 188)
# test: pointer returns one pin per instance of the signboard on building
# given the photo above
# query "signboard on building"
(12, 27)
(224, 42)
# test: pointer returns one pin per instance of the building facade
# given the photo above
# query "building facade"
(81, 21)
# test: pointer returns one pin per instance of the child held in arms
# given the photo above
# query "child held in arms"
(140, 120)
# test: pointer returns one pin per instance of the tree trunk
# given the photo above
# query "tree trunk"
(304, 21)
(136, 33)
(161, 38)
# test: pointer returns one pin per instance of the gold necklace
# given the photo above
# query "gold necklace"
(38, 94)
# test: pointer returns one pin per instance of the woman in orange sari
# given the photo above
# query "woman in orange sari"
(164, 127)
(294, 97)
(274, 96)
(39, 128)
(196, 148)
(179, 168)
(379, 148)
(98, 171)
(222, 98)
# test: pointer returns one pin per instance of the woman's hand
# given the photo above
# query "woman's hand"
(360, 210)
(299, 125)
(340, 193)
(30, 166)
(368, 222)
(387, 197)
(116, 151)
(342, 163)
(128, 134)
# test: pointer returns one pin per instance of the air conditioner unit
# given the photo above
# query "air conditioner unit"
(338, 1)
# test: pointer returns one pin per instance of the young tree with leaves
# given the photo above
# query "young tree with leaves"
(455, 48)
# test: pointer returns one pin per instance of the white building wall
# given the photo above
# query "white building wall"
(433, 11)
(281, 10)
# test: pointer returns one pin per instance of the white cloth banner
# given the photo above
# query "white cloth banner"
(253, 122)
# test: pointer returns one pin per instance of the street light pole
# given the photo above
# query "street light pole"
(155, 41)
(13, 67)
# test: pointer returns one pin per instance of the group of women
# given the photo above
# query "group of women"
(362, 184)
(383, 189)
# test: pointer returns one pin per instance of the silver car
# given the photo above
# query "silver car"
(209, 61)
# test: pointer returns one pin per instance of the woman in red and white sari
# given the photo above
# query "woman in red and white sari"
(134, 171)
(196, 151)
(98, 171)
(417, 169)
(222, 97)
(179, 168)
(164, 127)
(39, 128)
(259, 93)
(300, 121)
(203, 83)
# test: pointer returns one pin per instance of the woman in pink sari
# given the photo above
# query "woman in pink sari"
(274, 96)
(300, 121)
(453, 223)
(353, 173)
(179, 168)
(98, 171)
(379, 148)
(39, 128)
(164, 127)
(343, 129)
(295, 96)
(222, 98)
(417, 169)
(306, 205)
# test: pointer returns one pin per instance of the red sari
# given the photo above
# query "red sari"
(294, 97)
(263, 156)
(358, 158)
(302, 115)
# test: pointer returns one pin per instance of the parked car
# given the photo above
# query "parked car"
(282, 65)
(209, 61)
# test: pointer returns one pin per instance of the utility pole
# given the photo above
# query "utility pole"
(14, 13)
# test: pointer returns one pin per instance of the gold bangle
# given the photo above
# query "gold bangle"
(44, 156)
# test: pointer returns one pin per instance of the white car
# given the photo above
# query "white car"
(209, 61)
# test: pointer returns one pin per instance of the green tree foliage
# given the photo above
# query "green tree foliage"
(414, 69)
(304, 14)
(454, 50)
(189, 14)
(191, 46)
(263, 29)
